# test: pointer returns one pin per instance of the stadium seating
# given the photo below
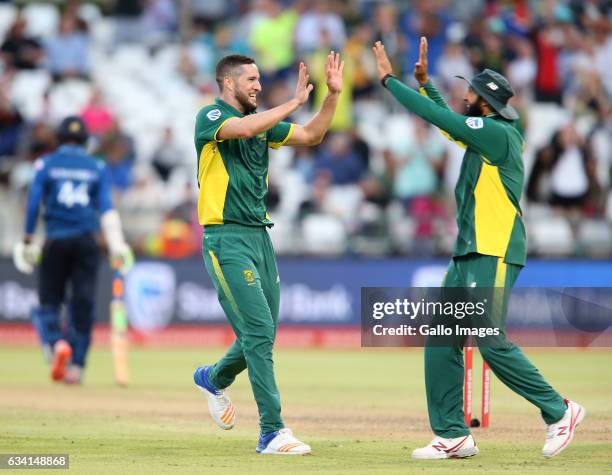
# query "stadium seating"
(323, 235)
(550, 236)
(7, 15)
(42, 19)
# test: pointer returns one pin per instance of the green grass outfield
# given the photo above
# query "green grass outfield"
(363, 411)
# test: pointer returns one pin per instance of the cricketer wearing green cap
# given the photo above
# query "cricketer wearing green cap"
(489, 252)
(232, 143)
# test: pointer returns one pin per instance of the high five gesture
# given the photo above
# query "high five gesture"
(420, 67)
(303, 88)
(333, 73)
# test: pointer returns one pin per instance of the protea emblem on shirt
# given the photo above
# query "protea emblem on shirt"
(249, 276)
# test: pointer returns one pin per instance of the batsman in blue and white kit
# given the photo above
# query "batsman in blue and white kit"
(75, 191)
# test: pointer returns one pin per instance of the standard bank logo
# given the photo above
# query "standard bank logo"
(150, 295)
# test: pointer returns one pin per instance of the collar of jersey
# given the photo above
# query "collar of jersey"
(233, 110)
(71, 148)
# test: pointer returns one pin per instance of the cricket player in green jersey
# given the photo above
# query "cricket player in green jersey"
(490, 252)
(232, 143)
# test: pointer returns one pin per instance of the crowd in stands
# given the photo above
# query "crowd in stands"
(382, 181)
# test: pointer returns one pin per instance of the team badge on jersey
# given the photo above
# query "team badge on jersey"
(474, 122)
(214, 114)
(249, 276)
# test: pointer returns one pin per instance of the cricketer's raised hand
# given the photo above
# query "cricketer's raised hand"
(382, 60)
(420, 67)
(303, 88)
(333, 73)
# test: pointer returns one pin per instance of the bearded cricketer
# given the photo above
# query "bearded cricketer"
(490, 252)
(232, 143)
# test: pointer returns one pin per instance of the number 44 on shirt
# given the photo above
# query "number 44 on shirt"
(70, 195)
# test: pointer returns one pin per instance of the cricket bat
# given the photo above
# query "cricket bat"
(119, 327)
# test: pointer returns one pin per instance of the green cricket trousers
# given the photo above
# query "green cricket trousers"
(241, 263)
(444, 370)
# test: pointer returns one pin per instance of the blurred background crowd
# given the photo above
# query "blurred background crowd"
(382, 182)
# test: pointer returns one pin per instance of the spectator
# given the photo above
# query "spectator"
(377, 186)
(417, 168)
(454, 60)
(271, 40)
(599, 141)
(127, 15)
(549, 38)
(68, 51)
(97, 115)
(12, 126)
(40, 140)
(230, 40)
(20, 51)
(176, 238)
(343, 118)
(522, 68)
(117, 149)
(562, 173)
(315, 21)
(159, 21)
(385, 29)
(357, 52)
(211, 11)
(202, 49)
(168, 155)
(494, 53)
(340, 160)
(428, 19)
(304, 164)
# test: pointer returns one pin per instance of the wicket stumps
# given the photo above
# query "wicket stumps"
(468, 390)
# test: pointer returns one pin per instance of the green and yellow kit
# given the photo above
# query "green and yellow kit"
(490, 252)
(490, 183)
(237, 251)
(233, 174)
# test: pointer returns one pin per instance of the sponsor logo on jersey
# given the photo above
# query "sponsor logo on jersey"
(214, 114)
(474, 122)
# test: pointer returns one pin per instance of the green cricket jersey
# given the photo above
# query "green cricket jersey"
(490, 183)
(233, 174)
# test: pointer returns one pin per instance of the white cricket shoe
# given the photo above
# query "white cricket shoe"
(560, 434)
(441, 448)
(219, 405)
(281, 442)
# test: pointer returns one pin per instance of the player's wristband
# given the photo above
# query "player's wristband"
(384, 79)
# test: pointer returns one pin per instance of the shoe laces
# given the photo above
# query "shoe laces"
(435, 440)
(287, 435)
(221, 398)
